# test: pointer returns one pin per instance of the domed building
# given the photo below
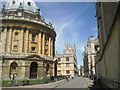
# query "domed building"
(27, 42)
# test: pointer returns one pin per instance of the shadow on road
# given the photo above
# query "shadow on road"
(97, 86)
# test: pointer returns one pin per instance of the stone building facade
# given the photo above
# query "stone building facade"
(67, 62)
(89, 56)
(107, 60)
(81, 70)
(27, 42)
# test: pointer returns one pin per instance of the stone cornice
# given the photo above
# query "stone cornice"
(26, 56)
(33, 24)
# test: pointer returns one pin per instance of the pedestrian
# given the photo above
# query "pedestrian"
(72, 76)
(90, 76)
(67, 79)
(94, 77)
(98, 78)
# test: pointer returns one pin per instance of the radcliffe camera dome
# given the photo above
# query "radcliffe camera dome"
(24, 4)
(23, 9)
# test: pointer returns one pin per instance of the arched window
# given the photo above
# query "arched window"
(13, 70)
(33, 70)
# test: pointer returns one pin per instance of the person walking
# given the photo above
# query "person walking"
(72, 76)
(67, 79)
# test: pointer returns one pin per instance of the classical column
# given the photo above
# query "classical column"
(53, 47)
(43, 44)
(26, 41)
(9, 45)
(21, 39)
(53, 69)
(49, 46)
(39, 43)
(4, 39)
(30, 39)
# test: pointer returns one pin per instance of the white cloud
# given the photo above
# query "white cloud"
(61, 38)
(66, 24)
(81, 48)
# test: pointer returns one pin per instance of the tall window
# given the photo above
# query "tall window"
(33, 38)
(67, 72)
(67, 58)
(13, 70)
(59, 72)
(33, 49)
(67, 65)
(16, 36)
(59, 65)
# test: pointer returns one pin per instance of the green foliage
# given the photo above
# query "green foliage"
(35, 81)
(8, 83)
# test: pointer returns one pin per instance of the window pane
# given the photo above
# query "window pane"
(67, 58)
(33, 48)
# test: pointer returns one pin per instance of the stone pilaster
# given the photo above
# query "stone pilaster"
(49, 46)
(23, 69)
(30, 39)
(21, 40)
(39, 43)
(43, 44)
(26, 41)
(53, 69)
(9, 45)
(52, 47)
(4, 34)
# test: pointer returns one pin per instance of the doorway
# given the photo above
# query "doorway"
(33, 70)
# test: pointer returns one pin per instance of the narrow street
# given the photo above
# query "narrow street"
(77, 82)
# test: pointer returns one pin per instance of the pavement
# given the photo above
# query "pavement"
(77, 82)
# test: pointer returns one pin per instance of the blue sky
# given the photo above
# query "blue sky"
(74, 22)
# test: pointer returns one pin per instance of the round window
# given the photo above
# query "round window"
(29, 3)
(13, 2)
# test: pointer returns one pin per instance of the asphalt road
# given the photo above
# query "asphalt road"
(77, 82)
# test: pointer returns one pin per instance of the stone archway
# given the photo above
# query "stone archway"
(13, 71)
(33, 70)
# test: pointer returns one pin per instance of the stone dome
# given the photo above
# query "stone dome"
(25, 4)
